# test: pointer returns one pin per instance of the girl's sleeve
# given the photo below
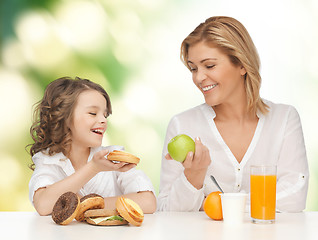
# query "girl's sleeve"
(176, 192)
(133, 181)
(292, 169)
(42, 176)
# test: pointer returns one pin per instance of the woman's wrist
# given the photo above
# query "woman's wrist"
(195, 177)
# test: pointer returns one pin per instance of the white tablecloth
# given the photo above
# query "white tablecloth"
(161, 225)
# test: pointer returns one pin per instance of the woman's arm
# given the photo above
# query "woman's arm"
(292, 167)
(196, 164)
(180, 189)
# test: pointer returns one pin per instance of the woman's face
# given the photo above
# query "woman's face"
(219, 80)
(89, 119)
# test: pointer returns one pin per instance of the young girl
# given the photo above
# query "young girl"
(70, 122)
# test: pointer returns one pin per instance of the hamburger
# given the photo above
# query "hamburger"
(104, 217)
(127, 211)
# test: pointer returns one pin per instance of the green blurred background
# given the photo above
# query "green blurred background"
(132, 49)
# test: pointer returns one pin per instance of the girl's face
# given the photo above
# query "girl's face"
(89, 119)
(215, 75)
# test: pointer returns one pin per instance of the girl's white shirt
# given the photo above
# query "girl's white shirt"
(278, 140)
(51, 169)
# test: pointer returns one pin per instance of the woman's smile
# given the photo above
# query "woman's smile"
(208, 87)
(215, 75)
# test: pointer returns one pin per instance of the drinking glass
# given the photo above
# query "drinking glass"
(263, 193)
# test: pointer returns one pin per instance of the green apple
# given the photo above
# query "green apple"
(179, 146)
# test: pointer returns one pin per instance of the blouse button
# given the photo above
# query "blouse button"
(238, 169)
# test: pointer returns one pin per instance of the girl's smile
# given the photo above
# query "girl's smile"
(99, 131)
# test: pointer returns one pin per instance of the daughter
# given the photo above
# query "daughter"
(70, 122)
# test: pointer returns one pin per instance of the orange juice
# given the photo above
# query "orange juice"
(263, 197)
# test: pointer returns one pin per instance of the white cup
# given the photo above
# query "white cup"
(233, 207)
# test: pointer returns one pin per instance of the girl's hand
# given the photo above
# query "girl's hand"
(101, 163)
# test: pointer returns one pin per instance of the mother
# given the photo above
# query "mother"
(235, 128)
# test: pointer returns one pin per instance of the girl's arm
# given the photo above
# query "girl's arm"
(146, 200)
(45, 198)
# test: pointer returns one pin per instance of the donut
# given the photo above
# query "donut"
(122, 156)
(65, 209)
(90, 201)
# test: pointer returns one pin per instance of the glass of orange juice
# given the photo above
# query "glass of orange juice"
(263, 194)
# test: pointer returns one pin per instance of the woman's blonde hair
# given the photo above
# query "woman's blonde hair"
(232, 38)
(54, 113)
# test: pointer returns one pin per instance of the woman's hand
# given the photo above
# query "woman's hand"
(101, 163)
(200, 160)
(196, 164)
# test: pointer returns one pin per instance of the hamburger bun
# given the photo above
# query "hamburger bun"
(130, 211)
(121, 156)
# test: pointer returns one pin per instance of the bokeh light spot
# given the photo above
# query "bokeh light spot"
(86, 24)
(10, 172)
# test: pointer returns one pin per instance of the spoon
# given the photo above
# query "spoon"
(216, 183)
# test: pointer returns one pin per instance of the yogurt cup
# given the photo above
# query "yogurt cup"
(233, 207)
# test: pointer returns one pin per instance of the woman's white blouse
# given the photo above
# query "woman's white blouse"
(278, 140)
(51, 169)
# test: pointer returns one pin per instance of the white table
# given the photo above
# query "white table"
(161, 225)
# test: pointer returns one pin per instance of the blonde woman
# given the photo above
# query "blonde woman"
(234, 129)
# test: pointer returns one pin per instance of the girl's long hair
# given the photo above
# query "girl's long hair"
(53, 114)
